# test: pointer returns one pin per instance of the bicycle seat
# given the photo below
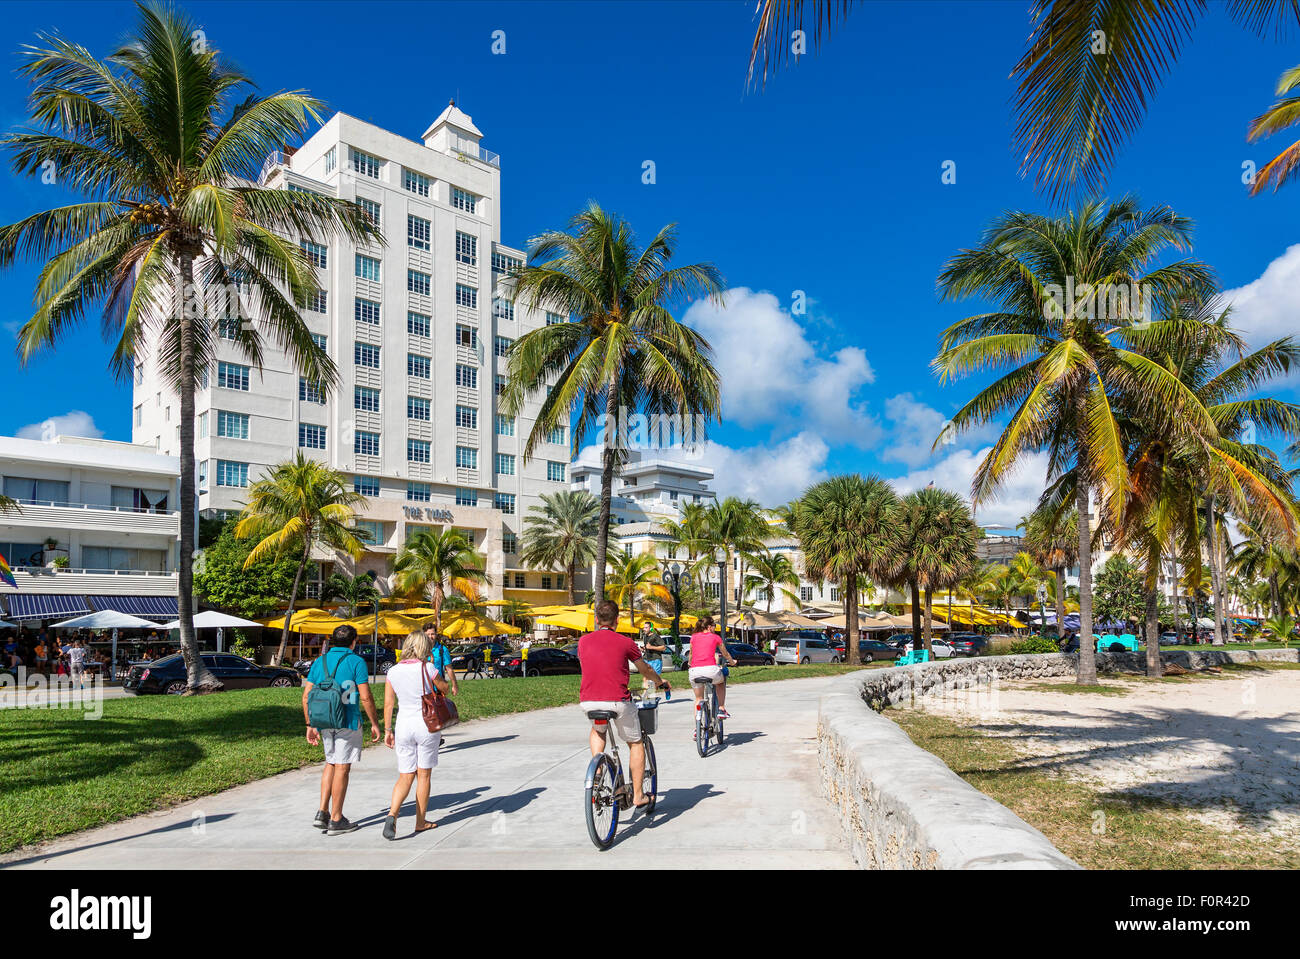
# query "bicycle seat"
(702, 681)
(601, 714)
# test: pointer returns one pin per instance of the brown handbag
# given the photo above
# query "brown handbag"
(438, 711)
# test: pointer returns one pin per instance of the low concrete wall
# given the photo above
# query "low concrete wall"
(901, 807)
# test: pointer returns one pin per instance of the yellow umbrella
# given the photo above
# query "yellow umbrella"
(586, 620)
(464, 626)
(313, 620)
(415, 612)
(390, 623)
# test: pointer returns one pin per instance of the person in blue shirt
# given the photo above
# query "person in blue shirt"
(342, 746)
(439, 657)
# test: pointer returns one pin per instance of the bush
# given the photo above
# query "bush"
(1034, 644)
(999, 646)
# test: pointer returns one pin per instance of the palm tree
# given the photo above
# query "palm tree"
(1051, 538)
(772, 572)
(623, 355)
(633, 576)
(435, 562)
(155, 135)
(561, 532)
(847, 528)
(738, 527)
(1282, 626)
(300, 505)
(1068, 292)
(690, 532)
(355, 591)
(937, 537)
(1276, 118)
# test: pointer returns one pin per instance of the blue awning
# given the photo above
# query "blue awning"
(45, 605)
(150, 607)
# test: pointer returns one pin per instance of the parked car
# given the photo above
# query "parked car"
(1169, 639)
(746, 655)
(968, 644)
(546, 661)
(469, 658)
(871, 650)
(168, 675)
(806, 647)
(939, 646)
(380, 659)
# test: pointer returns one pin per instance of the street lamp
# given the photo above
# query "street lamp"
(374, 634)
(674, 577)
(720, 555)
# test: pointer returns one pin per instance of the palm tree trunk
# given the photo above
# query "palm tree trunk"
(606, 485)
(1177, 612)
(1086, 675)
(927, 626)
(1212, 554)
(1153, 632)
(568, 581)
(1274, 599)
(851, 619)
(293, 599)
(1060, 601)
(200, 678)
(916, 616)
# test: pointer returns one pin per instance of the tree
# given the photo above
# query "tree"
(355, 591)
(737, 527)
(301, 505)
(690, 533)
(623, 354)
(1120, 592)
(633, 576)
(561, 533)
(1069, 292)
(1051, 538)
(225, 580)
(772, 572)
(155, 137)
(1282, 627)
(937, 537)
(847, 527)
(437, 561)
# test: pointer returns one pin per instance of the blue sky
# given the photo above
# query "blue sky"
(827, 182)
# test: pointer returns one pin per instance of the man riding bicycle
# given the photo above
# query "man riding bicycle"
(604, 656)
(706, 647)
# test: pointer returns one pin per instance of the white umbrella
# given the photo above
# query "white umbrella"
(4, 625)
(211, 619)
(107, 619)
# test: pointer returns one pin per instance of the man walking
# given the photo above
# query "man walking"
(439, 657)
(652, 648)
(340, 663)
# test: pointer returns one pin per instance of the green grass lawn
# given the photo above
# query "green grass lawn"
(62, 773)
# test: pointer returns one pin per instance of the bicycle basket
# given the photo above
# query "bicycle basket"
(648, 715)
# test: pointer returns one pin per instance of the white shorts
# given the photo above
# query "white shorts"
(416, 748)
(342, 746)
(707, 672)
(626, 722)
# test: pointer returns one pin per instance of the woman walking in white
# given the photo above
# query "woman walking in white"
(417, 748)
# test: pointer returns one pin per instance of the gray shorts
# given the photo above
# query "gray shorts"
(342, 746)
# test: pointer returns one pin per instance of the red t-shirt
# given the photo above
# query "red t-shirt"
(704, 649)
(604, 655)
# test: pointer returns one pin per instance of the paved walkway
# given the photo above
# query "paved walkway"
(508, 794)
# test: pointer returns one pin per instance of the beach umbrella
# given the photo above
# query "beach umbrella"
(390, 623)
(311, 620)
(469, 626)
(211, 619)
(107, 619)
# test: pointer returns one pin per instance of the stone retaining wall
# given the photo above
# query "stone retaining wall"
(901, 807)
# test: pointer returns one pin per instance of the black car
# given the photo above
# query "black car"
(968, 644)
(168, 675)
(469, 658)
(746, 655)
(547, 661)
(380, 659)
(871, 650)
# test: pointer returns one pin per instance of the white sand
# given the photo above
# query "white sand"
(1227, 749)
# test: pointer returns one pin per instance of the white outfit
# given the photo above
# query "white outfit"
(626, 722)
(416, 747)
(707, 672)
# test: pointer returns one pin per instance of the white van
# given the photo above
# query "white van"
(806, 647)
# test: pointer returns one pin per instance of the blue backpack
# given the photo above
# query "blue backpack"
(326, 701)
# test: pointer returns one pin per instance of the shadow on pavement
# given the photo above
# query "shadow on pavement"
(672, 803)
(170, 827)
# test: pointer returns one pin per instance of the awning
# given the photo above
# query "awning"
(45, 605)
(150, 607)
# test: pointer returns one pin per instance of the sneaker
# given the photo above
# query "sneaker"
(322, 820)
(341, 825)
(390, 827)
(723, 714)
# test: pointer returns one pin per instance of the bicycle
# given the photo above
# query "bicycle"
(707, 721)
(606, 791)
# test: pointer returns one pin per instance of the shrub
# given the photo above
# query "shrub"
(1034, 644)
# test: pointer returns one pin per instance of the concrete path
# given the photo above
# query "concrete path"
(507, 794)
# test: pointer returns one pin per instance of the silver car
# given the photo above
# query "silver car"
(805, 648)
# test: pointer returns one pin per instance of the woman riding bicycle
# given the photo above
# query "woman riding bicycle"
(706, 647)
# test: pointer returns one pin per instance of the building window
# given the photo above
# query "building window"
(417, 366)
(466, 376)
(553, 318)
(556, 436)
(318, 301)
(366, 311)
(370, 208)
(466, 248)
(416, 183)
(418, 492)
(232, 474)
(463, 200)
(509, 543)
(520, 580)
(417, 232)
(805, 594)
(364, 398)
(311, 437)
(500, 384)
(502, 345)
(466, 336)
(505, 464)
(228, 329)
(203, 480)
(417, 324)
(466, 296)
(331, 159)
(467, 417)
(546, 582)
(366, 485)
(316, 253)
(310, 391)
(365, 444)
(505, 502)
(232, 425)
(367, 267)
(504, 263)
(369, 531)
(466, 458)
(417, 451)
(363, 163)
(319, 339)
(365, 354)
(139, 417)
(466, 497)
(417, 282)
(555, 471)
(835, 594)
(232, 376)
(502, 308)
(505, 425)
(417, 408)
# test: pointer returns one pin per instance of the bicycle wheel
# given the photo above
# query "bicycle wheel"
(717, 720)
(650, 785)
(702, 730)
(602, 806)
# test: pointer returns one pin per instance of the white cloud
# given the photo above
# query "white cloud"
(1267, 308)
(774, 376)
(772, 475)
(1017, 498)
(71, 423)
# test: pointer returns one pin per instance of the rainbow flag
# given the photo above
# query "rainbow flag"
(6, 573)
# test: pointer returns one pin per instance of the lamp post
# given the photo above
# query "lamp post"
(374, 633)
(720, 554)
(674, 577)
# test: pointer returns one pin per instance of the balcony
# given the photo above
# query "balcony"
(42, 579)
(45, 514)
(472, 150)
